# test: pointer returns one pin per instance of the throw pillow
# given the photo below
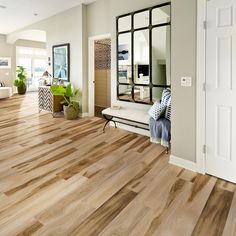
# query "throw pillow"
(168, 110)
(157, 110)
(166, 94)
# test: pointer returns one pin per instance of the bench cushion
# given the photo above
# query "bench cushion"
(129, 114)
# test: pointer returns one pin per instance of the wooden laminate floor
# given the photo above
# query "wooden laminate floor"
(61, 177)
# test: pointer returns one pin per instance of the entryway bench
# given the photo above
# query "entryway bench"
(132, 117)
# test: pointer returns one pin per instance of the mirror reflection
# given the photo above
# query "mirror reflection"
(142, 94)
(125, 92)
(141, 19)
(124, 23)
(124, 58)
(161, 55)
(156, 94)
(141, 57)
(161, 15)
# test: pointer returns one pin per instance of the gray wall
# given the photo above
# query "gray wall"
(183, 62)
(98, 17)
(6, 50)
(68, 27)
(101, 20)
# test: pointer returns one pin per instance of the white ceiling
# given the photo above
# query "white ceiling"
(20, 13)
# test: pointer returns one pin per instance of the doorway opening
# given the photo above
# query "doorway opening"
(102, 75)
(34, 60)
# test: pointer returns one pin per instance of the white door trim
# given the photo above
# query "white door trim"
(91, 71)
(200, 93)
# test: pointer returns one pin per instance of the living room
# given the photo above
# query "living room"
(138, 156)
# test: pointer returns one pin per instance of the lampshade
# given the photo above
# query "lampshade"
(46, 74)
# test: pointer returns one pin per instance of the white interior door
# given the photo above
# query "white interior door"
(221, 89)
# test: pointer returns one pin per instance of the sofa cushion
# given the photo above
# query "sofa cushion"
(2, 84)
(157, 110)
(5, 92)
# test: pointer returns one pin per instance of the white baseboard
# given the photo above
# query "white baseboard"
(82, 115)
(189, 165)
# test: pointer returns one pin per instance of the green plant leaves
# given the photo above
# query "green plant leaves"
(69, 90)
(20, 82)
(69, 94)
(58, 90)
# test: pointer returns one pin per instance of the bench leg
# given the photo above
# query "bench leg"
(105, 126)
(167, 150)
(114, 123)
(107, 121)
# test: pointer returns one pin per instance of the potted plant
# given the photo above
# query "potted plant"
(70, 105)
(20, 82)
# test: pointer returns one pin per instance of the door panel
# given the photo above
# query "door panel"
(224, 62)
(221, 89)
(34, 60)
(27, 64)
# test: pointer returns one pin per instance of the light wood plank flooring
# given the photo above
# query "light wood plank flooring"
(61, 177)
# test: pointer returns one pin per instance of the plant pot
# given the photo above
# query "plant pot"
(70, 113)
(21, 91)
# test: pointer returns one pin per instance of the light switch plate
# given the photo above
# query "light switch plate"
(186, 81)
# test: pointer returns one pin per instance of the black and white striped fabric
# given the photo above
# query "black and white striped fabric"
(168, 110)
(157, 110)
(2, 84)
(166, 94)
(166, 101)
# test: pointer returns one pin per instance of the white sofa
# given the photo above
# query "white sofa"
(5, 92)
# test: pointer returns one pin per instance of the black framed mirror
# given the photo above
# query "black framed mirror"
(61, 62)
(143, 54)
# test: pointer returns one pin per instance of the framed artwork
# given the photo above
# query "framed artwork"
(61, 62)
(123, 53)
(5, 62)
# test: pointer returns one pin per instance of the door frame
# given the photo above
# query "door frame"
(200, 87)
(91, 71)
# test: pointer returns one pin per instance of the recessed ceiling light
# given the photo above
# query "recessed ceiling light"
(3, 7)
(35, 14)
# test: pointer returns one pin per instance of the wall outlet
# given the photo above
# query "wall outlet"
(186, 81)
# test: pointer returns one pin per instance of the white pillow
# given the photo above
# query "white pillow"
(157, 110)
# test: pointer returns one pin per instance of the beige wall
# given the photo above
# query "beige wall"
(102, 19)
(9, 50)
